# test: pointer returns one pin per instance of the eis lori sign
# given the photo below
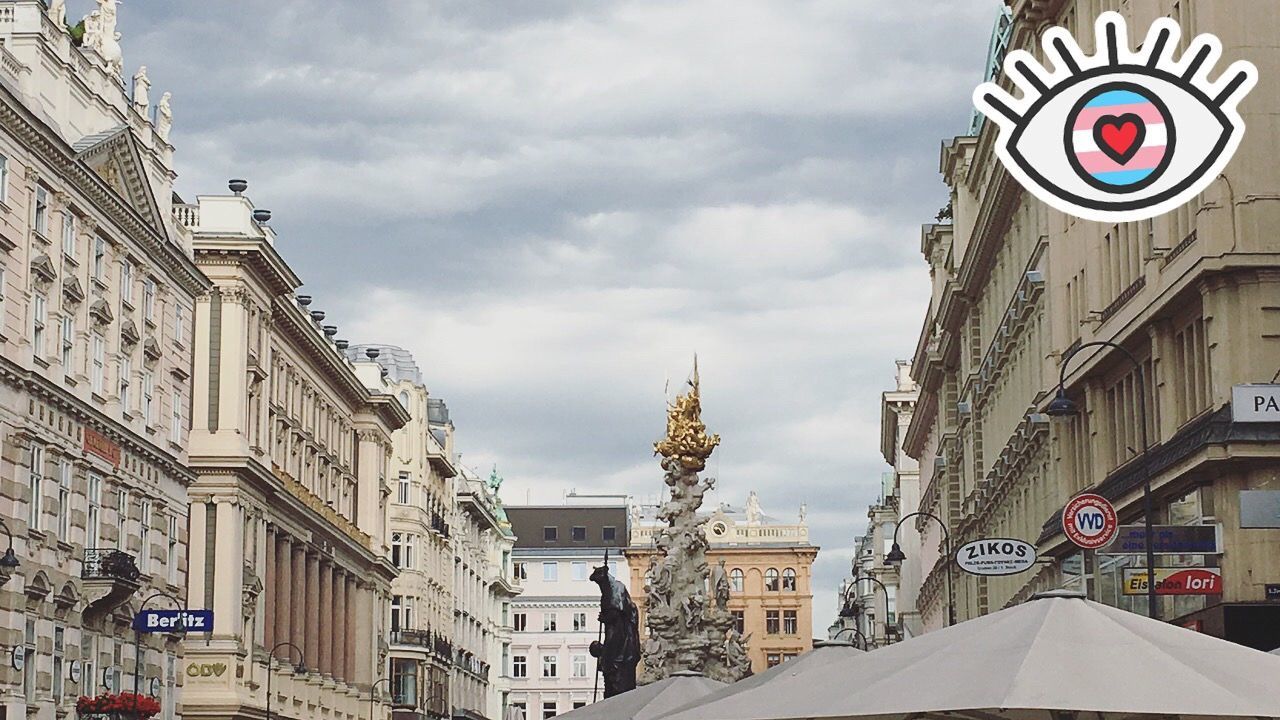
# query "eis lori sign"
(1089, 521)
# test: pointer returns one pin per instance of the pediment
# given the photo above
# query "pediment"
(42, 268)
(129, 332)
(71, 289)
(151, 349)
(114, 155)
(100, 311)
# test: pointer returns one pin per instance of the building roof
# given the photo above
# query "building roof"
(531, 524)
(399, 362)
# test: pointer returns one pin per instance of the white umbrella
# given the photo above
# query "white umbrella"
(648, 701)
(1057, 652)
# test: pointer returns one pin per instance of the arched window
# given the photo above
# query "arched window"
(789, 580)
(771, 579)
(736, 579)
(404, 399)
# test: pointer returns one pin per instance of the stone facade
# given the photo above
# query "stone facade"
(768, 563)
(1017, 287)
(96, 293)
(288, 510)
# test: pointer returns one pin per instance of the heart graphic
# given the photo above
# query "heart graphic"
(1120, 137)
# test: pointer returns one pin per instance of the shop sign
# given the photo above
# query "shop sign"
(1260, 508)
(996, 556)
(158, 621)
(98, 444)
(1089, 521)
(1175, 581)
(1255, 403)
(1272, 591)
(1169, 540)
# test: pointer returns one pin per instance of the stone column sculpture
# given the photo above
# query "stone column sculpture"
(688, 632)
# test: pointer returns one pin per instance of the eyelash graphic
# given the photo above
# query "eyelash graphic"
(1119, 135)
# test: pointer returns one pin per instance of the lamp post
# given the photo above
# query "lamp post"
(137, 633)
(1064, 407)
(896, 556)
(9, 561)
(373, 695)
(853, 585)
(856, 634)
(301, 667)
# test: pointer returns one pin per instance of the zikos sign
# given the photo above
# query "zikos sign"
(996, 556)
(1089, 521)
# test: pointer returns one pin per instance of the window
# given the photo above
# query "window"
(771, 622)
(89, 659)
(789, 625)
(39, 316)
(549, 534)
(179, 325)
(579, 570)
(773, 659)
(126, 282)
(99, 256)
(549, 666)
(520, 571)
(144, 535)
(549, 710)
(402, 489)
(175, 418)
(122, 518)
(1191, 370)
(739, 621)
(98, 374)
(29, 666)
(519, 666)
(410, 541)
(397, 550)
(42, 211)
(579, 533)
(609, 533)
(148, 299)
(579, 704)
(64, 500)
(549, 571)
(4, 179)
(519, 621)
(148, 395)
(68, 233)
(93, 517)
(126, 370)
(548, 622)
(171, 558)
(771, 580)
(579, 669)
(579, 621)
(35, 481)
(59, 647)
(397, 609)
(68, 343)
(789, 580)
(1121, 259)
(737, 579)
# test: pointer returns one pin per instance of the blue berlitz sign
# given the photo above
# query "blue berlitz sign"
(155, 621)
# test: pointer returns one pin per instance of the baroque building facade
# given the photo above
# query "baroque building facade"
(422, 472)
(556, 619)
(96, 291)
(769, 564)
(1017, 287)
(291, 454)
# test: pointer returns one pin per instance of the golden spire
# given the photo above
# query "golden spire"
(687, 439)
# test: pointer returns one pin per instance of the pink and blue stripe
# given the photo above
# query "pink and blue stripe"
(1116, 103)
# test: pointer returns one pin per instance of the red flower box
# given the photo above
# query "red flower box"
(126, 705)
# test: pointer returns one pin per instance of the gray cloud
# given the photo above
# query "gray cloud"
(555, 204)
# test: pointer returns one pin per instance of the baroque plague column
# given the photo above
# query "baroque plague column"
(288, 510)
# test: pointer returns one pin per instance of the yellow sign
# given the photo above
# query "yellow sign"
(206, 669)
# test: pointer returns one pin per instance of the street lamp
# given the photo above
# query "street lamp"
(137, 633)
(856, 634)
(9, 561)
(373, 696)
(301, 667)
(896, 556)
(849, 604)
(1064, 407)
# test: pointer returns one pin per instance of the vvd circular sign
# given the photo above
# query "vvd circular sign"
(1089, 521)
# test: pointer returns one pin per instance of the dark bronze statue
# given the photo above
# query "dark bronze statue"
(619, 654)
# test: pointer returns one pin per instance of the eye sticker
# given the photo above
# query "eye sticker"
(1119, 135)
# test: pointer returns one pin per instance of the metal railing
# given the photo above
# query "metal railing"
(109, 564)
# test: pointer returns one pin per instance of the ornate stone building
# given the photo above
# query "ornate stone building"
(768, 563)
(422, 473)
(1192, 295)
(96, 293)
(288, 510)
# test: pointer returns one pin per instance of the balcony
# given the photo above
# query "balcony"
(434, 643)
(111, 577)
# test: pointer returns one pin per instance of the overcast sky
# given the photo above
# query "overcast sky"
(553, 204)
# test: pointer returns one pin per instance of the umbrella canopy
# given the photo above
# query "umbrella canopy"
(648, 701)
(1057, 652)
